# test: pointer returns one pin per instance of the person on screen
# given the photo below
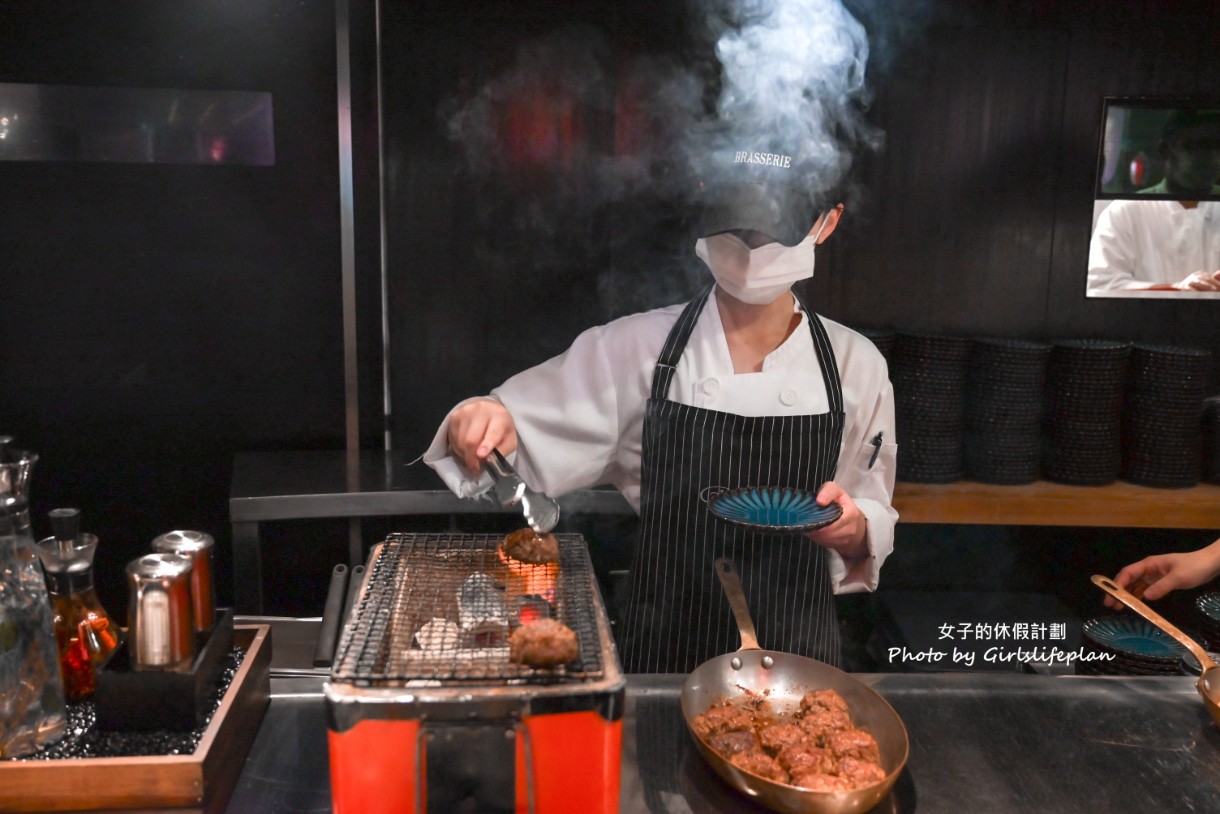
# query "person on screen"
(1166, 244)
(1190, 151)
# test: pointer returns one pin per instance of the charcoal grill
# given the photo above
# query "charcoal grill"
(419, 724)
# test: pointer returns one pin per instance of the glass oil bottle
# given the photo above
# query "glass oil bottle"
(84, 632)
(32, 710)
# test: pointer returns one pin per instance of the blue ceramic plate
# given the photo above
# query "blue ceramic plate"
(1136, 637)
(771, 508)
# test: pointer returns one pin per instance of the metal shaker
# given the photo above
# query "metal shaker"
(160, 627)
(198, 547)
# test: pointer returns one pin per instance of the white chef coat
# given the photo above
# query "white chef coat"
(1136, 243)
(580, 415)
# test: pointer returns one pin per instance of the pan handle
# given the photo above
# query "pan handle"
(1113, 589)
(727, 571)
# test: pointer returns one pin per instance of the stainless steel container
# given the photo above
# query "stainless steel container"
(198, 547)
(160, 628)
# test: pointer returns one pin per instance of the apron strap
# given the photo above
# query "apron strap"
(826, 357)
(675, 343)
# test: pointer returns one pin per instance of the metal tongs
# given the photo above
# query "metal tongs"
(541, 512)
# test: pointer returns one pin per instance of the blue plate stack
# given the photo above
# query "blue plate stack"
(1003, 420)
(1128, 645)
(1190, 665)
(1211, 439)
(1208, 606)
(929, 377)
(1163, 417)
(1082, 419)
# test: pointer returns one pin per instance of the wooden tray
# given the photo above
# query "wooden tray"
(203, 780)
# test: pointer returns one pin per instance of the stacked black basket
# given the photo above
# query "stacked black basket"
(884, 340)
(1162, 422)
(1082, 421)
(1208, 607)
(1211, 439)
(1003, 420)
(929, 377)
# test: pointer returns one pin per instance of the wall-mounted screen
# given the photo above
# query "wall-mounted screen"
(135, 125)
(1156, 214)
(1153, 148)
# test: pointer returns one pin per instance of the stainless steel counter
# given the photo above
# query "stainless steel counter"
(982, 742)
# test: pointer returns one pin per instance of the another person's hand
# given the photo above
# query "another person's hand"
(1162, 573)
(479, 426)
(847, 534)
(1200, 281)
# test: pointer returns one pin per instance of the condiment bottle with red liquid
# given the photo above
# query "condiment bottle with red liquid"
(84, 632)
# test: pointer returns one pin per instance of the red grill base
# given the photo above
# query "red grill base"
(575, 757)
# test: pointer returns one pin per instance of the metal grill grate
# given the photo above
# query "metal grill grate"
(415, 579)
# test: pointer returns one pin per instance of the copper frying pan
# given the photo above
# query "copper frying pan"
(785, 678)
(1209, 680)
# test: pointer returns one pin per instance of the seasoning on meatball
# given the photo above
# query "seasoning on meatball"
(722, 716)
(823, 699)
(543, 643)
(730, 743)
(806, 758)
(527, 545)
(761, 764)
(860, 773)
(819, 722)
(854, 743)
(777, 736)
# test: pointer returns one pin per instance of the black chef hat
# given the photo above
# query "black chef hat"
(1189, 119)
(765, 190)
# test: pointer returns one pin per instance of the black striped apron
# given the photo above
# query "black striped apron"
(676, 615)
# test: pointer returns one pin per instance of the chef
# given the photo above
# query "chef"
(743, 386)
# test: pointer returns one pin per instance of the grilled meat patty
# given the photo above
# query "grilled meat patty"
(543, 643)
(527, 545)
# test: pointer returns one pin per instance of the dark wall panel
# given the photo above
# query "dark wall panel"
(159, 318)
(489, 271)
(1176, 55)
(954, 233)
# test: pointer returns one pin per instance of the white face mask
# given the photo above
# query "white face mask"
(756, 276)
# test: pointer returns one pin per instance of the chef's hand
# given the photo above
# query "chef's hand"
(1162, 573)
(479, 426)
(1200, 281)
(847, 534)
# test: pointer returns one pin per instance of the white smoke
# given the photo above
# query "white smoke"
(782, 75)
(793, 77)
(790, 72)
